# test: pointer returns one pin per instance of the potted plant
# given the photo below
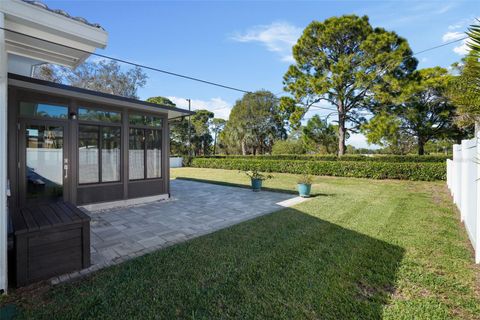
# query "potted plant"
(257, 178)
(305, 185)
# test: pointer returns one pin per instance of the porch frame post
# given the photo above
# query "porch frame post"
(3, 158)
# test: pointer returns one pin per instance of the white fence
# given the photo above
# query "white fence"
(463, 179)
(176, 162)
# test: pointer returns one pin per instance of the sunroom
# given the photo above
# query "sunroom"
(84, 147)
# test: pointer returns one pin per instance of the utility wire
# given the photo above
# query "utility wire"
(182, 75)
(132, 63)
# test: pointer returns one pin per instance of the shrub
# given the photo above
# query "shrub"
(360, 158)
(288, 147)
(426, 171)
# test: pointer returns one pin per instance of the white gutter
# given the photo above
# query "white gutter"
(3, 159)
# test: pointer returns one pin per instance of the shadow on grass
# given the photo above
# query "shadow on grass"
(238, 185)
(286, 265)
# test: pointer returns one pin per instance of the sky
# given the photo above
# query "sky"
(248, 44)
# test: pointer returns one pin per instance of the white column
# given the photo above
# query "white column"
(3, 157)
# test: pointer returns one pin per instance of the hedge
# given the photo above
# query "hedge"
(309, 157)
(426, 171)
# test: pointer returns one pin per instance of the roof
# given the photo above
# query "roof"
(93, 96)
(62, 12)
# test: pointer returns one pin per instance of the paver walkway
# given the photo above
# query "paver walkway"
(194, 209)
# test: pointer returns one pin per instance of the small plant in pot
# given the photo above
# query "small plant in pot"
(305, 185)
(257, 178)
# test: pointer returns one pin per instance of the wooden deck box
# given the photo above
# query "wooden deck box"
(49, 240)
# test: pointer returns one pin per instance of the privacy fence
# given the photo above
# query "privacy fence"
(463, 178)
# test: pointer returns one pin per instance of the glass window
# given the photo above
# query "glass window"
(154, 153)
(91, 114)
(144, 120)
(88, 143)
(136, 154)
(110, 154)
(43, 110)
(44, 162)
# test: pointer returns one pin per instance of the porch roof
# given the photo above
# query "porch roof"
(92, 96)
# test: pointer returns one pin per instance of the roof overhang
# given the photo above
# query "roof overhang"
(48, 87)
(48, 30)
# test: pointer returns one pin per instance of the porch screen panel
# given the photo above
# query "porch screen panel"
(154, 153)
(110, 154)
(136, 154)
(88, 156)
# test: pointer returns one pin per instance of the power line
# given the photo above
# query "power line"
(132, 63)
(439, 46)
(178, 74)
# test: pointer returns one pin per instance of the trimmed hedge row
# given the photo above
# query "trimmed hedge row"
(426, 171)
(376, 158)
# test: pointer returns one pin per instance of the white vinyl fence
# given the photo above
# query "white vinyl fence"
(463, 179)
(176, 162)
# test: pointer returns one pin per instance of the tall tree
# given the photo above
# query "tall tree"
(101, 76)
(318, 133)
(200, 135)
(217, 126)
(385, 130)
(256, 122)
(348, 63)
(162, 101)
(423, 110)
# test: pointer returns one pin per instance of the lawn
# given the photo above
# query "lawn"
(360, 249)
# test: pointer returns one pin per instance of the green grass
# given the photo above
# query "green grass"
(360, 249)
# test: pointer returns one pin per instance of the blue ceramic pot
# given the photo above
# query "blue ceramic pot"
(256, 184)
(304, 190)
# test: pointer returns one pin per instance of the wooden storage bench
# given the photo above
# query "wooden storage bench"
(49, 239)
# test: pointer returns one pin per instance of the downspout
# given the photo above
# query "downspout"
(3, 158)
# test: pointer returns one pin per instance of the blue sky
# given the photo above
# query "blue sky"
(248, 44)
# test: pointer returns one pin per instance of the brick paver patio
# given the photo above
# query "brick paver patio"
(194, 209)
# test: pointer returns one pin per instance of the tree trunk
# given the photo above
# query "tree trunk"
(421, 147)
(244, 148)
(215, 145)
(341, 130)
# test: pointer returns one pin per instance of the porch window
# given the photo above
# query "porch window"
(43, 110)
(99, 154)
(93, 114)
(145, 147)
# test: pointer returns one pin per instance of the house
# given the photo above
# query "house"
(63, 143)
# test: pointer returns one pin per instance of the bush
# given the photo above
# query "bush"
(288, 147)
(360, 158)
(426, 171)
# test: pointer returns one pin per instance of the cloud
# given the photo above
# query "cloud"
(462, 49)
(452, 35)
(218, 106)
(278, 37)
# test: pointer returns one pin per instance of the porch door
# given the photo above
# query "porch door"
(43, 163)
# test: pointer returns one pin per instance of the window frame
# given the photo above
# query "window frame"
(100, 125)
(160, 129)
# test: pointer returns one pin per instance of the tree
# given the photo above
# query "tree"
(217, 126)
(200, 135)
(386, 130)
(101, 76)
(348, 63)
(289, 146)
(319, 134)
(423, 111)
(162, 101)
(255, 123)
(464, 90)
